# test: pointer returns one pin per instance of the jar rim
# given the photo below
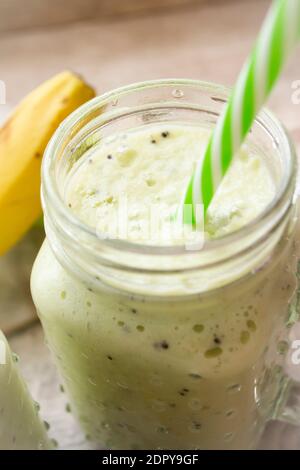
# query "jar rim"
(50, 189)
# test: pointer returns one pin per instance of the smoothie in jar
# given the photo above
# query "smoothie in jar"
(160, 346)
(20, 425)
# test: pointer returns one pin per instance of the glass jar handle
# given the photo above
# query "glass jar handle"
(288, 409)
(289, 412)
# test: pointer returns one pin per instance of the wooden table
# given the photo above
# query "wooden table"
(206, 41)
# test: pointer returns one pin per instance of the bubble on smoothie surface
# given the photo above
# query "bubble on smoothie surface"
(37, 406)
(68, 408)
(198, 328)
(244, 336)
(195, 404)
(47, 425)
(63, 294)
(195, 426)
(282, 347)
(54, 443)
(228, 436)
(213, 352)
(230, 413)
(251, 325)
(15, 357)
(234, 388)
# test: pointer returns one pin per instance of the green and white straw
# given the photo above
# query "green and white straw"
(277, 39)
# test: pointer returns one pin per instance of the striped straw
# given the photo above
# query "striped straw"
(277, 39)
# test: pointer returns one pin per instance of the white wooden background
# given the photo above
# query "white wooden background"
(204, 40)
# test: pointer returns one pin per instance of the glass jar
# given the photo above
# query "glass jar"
(20, 425)
(160, 347)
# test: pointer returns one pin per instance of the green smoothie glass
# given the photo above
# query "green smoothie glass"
(16, 309)
(20, 425)
(163, 347)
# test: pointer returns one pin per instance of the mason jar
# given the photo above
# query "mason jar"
(162, 347)
(20, 425)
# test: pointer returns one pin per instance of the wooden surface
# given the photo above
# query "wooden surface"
(207, 42)
(39, 13)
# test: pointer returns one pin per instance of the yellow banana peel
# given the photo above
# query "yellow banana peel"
(23, 139)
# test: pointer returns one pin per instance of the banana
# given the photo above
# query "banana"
(23, 139)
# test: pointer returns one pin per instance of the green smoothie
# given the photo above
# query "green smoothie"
(150, 168)
(157, 364)
(20, 425)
